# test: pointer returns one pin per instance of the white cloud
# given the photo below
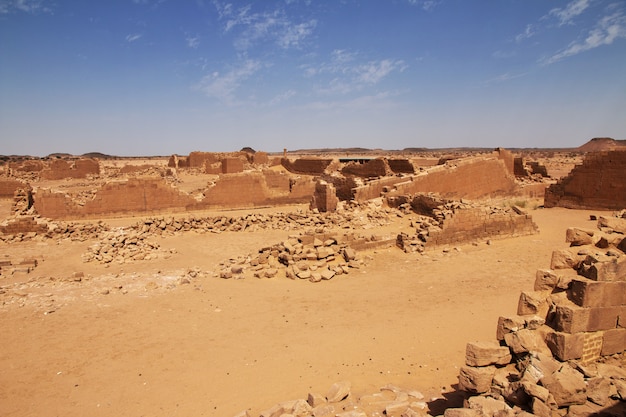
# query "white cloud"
(425, 4)
(606, 31)
(566, 15)
(133, 37)
(192, 41)
(348, 75)
(275, 26)
(282, 97)
(26, 6)
(528, 32)
(224, 86)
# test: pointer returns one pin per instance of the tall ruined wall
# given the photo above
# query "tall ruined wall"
(598, 183)
(470, 178)
(60, 169)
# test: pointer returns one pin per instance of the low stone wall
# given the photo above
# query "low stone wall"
(370, 169)
(598, 183)
(9, 186)
(308, 166)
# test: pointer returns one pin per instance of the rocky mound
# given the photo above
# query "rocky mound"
(602, 144)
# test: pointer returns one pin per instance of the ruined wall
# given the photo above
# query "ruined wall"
(598, 183)
(508, 158)
(324, 198)
(252, 189)
(308, 166)
(472, 224)
(370, 169)
(401, 166)
(199, 159)
(24, 225)
(139, 195)
(60, 169)
(472, 178)
(232, 165)
(9, 186)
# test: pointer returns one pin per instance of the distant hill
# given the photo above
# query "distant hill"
(602, 144)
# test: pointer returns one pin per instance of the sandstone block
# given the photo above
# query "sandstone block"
(567, 386)
(476, 379)
(599, 390)
(524, 341)
(587, 293)
(540, 408)
(324, 410)
(508, 325)
(314, 399)
(349, 254)
(275, 411)
(486, 353)
(578, 237)
(564, 259)
(613, 341)
(338, 391)
(396, 409)
(566, 346)
(533, 302)
(460, 412)
(545, 279)
(487, 406)
(538, 365)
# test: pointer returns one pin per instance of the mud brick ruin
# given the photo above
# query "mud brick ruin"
(597, 183)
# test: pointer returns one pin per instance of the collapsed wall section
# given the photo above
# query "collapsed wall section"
(598, 183)
(308, 166)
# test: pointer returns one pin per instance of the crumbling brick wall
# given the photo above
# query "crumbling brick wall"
(23, 224)
(598, 183)
(60, 169)
(232, 165)
(401, 166)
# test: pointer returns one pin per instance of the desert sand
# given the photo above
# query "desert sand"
(148, 338)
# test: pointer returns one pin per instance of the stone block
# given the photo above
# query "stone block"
(566, 346)
(461, 412)
(545, 280)
(567, 386)
(476, 379)
(338, 391)
(512, 324)
(525, 340)
(564, 259)
(533, 303)
(578, 237)
(571, 318)
(486, 353)
(613, 341)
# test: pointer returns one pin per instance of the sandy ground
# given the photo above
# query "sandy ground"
(215, 347)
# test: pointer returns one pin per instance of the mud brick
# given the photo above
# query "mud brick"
(613, 341)
(566, 346)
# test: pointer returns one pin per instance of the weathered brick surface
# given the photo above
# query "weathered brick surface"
(232, 165)
(370, 169)
(60, 168)
(309, 166)
(8, 187)
(613, 341)
(588, 293)
(598, 183)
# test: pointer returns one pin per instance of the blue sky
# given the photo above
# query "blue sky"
(157, 77)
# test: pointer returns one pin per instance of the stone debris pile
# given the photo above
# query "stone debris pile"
(391, 401)
(314, 257)
(563, 354)
(122, 246)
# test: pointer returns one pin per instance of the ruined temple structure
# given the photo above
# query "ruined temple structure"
(598, 183)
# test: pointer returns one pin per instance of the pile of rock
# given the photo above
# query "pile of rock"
(563, 354)
(390, 401)
(354, 216)
(314, 257)
(123, 246)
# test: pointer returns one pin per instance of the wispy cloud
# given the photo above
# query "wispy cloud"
(26, 6)
(224, 86)
(285, 96)
(348, 75)
(192, 41)
(251, 27)
(567, 14)
(528, 32)
(606, 31)
(133, 37)
(425, 4)
(507, 76)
